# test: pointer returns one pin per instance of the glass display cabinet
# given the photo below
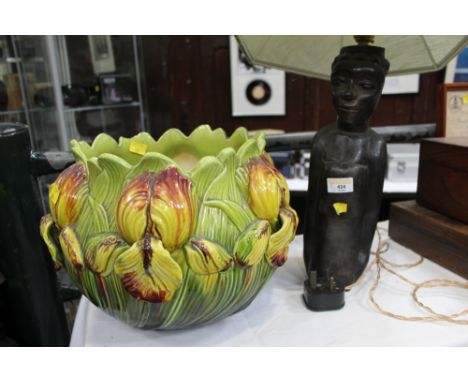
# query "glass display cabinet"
(67, 87)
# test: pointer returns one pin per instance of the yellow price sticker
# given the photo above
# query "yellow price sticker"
(340, 208)
(138, 148)
(465, 99)
(54, 193)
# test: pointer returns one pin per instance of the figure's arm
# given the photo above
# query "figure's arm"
(311, 215)
(377, 170)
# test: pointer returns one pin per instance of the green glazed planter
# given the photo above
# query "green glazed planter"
(171, 233)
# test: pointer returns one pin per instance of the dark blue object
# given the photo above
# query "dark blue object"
(33, 313)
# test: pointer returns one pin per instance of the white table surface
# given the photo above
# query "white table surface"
(278, 316)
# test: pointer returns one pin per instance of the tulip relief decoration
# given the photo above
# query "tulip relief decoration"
(171, 233)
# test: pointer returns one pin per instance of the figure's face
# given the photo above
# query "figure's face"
(356, 90)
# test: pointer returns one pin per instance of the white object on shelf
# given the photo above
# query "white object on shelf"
(402, 174)
(408, 83)
(403, 161)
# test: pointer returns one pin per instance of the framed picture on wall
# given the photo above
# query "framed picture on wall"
(102, 54)
(452, 110)
(255, 90)
(405, 84)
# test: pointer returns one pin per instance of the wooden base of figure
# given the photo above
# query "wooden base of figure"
(319, 300)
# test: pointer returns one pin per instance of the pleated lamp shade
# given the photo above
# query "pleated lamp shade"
(312, 55)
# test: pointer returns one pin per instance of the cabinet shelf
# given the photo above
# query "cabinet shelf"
(18, 60)
(72, 109)
(101, 107)
(11, 112)
(32, 110)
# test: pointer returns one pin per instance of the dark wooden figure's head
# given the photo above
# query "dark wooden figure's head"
(358, 76)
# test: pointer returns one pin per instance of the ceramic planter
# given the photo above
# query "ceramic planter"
(170, 233)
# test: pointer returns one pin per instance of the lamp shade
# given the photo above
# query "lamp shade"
(313, 55)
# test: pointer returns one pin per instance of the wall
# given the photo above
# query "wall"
(188, 84)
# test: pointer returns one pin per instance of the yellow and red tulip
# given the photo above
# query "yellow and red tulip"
(148, 272)
(71, 248)
(49, 232)
(67, 194)
(132, 207)
(172, 208)
(277, 252)
(160, 204)
(101, 252)
(252, 243)
(267, 190)
(207, 257)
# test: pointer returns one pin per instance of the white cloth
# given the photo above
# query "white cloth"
(278, 316)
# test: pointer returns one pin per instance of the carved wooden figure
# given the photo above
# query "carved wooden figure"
(347, 170)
